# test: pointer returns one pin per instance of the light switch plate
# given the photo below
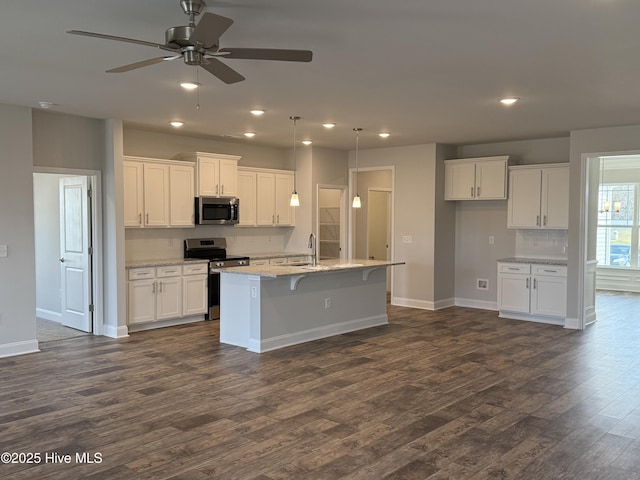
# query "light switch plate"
(407, 239)
(3, 250)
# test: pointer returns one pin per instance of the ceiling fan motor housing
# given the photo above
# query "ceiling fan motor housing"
(192, 7)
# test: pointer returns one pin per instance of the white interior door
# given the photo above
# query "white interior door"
(75, 258)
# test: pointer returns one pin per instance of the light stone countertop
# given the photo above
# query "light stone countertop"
(326, 266)
(535, 261)
(164, 262)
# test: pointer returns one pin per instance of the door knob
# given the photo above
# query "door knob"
(62, 260)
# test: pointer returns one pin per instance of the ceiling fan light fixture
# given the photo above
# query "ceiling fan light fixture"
(307, 142)
(176, 123)
(249, 134)
(509, 100)
(190, 85)
(384, 134)
(328, 125)
(257, 112)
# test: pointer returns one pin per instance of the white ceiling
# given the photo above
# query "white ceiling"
(425, 70)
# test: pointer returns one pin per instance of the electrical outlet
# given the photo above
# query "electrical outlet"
(492, 239)
(327, 303)
(3, 250)
(254, 292)
(407, 239)
(482, 284)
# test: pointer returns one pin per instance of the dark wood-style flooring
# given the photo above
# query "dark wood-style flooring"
(453, 394)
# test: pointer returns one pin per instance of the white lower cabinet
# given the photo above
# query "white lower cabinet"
(532, 292)
(166, 292)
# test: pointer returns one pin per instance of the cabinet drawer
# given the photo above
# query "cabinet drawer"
(297, 259)
(263, 261)
(195, 269)
(550, 270)
(169, 271)
(277, 261)
(141, 273)
(514, 268)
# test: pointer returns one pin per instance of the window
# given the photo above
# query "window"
(618, 225)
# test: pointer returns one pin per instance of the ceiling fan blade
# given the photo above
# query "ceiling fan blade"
(122, 39)
(227, 74)
(268, 54)
(210, 27)
(144, 63)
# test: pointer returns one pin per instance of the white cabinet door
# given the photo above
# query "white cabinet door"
(141, 301)
(208, 173)
(133, 184)
(156, 195)
(548, 296)
(247, 198)
(513, 292)
(182, 210)
(491, 180)
(460, 181)
(523, 208)
(266, 198)
(555, 197)
(228, 177)
(284, 212)
(194, 292)
(168, 298)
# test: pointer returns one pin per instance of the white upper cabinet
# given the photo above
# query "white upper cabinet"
(247, 196)
(216, 174)
(158, 193)
(482, 178)
(272, 195)
(539, 197)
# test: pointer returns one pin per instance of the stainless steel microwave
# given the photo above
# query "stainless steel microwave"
(217, 210)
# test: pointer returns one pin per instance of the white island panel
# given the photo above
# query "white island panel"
(262, 312)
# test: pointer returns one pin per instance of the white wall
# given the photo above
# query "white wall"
(17, 295)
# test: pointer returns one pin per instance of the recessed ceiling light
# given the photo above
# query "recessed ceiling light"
(328, 125)
(177, 123)
(189, 85)
(509, 100)
(384, 134)
(46, 105)
(257, 112)
(307, 142)
(249, 134)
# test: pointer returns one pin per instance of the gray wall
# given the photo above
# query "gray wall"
(149, 143)
(365, 180)
(17, 295)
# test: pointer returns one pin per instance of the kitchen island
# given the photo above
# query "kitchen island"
(266, 307)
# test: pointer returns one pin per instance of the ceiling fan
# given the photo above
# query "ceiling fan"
(200, 45)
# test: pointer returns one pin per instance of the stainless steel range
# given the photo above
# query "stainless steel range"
(214, 250)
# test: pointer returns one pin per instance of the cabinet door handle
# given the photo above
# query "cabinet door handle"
(544, 220)
(537, 220)
(471, 192)
(273, 219)
(535, 283)
(222, 189)
(147, 219)
(153, 287)
(527, 283)
(159, 287)
(216, 189)
(140, 219)
(278, 219)
(477, 191)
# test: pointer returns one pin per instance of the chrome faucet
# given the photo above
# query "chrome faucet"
(313, 247)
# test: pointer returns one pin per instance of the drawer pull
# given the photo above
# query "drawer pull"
(551, 271)
(513, 268)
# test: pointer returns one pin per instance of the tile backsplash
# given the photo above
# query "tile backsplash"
(542, 243)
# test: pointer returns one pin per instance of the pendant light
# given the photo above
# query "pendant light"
(356, 199)
(295, 200)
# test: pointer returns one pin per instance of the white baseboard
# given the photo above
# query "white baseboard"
(49, 315)
(113, 331)
(481, 304)
(315, 334)
(573, 323)
(18, 348)
(138, 327)
(412, 303)
(533, 318)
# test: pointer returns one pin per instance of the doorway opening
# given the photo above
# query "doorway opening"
(331, 220)
(68, 253)
(611, 271)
